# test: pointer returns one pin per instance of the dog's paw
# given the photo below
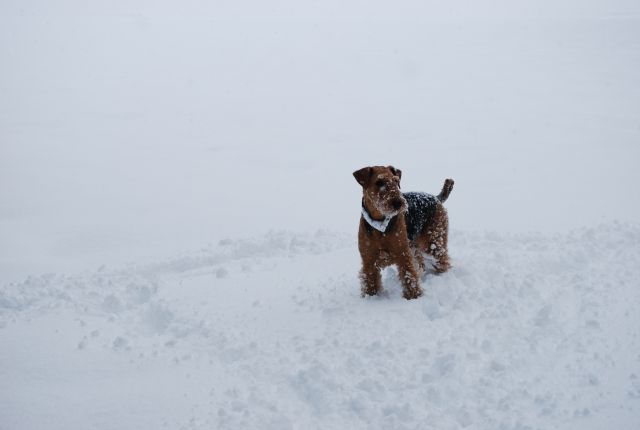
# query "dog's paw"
(441, 267)
(412, 293)
(371, 291)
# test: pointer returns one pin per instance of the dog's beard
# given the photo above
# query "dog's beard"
(386, 208)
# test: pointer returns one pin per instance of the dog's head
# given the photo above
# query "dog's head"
(381, 190)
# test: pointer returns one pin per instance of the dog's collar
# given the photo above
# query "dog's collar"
(381, 226)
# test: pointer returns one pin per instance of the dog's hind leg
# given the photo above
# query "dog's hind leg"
(437, 238)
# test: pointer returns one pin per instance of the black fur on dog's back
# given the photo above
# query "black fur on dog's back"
(420, 210)
(421, 207)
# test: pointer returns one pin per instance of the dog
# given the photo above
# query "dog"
(399, 228)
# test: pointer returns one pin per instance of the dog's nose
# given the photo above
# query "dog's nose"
(397, 204)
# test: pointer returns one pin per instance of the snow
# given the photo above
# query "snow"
(526, 331)
(178, 214)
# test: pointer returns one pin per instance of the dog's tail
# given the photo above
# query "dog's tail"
(446, 190)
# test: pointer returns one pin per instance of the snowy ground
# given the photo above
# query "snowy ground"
(178, 216)
(527, 331)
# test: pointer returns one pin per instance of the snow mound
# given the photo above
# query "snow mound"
(526, 331)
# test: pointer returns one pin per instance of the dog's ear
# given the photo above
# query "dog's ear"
(396, 172)
(363, 175)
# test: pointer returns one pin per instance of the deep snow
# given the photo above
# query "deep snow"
(178, 217)
(527, 331)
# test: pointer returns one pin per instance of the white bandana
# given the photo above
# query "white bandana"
(381, 226)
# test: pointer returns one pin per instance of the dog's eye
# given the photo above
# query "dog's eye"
(380, 183)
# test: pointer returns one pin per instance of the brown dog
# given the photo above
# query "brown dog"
(397, 228)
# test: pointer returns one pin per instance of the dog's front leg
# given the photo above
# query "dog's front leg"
(418, 259)
(408, 276)
(370, 278)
